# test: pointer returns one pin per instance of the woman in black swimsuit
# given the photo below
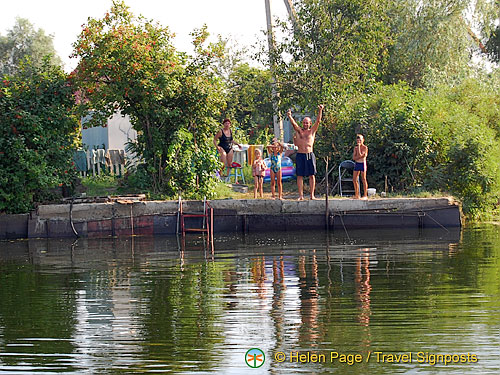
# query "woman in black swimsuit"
(225, 144)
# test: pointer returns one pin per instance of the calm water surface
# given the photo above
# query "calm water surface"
(158, 305)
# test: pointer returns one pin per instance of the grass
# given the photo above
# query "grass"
(224, 191)
(104, 185)
(418, 194)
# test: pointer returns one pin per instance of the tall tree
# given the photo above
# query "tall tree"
(493, 43)
(336, 50)
(129, 64)
(435, 40)
(250, 101)
(338, 46)
(24, 41)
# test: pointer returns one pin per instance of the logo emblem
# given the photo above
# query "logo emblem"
(255, 358)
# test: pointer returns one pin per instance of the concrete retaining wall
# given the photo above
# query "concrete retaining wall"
(160, 217)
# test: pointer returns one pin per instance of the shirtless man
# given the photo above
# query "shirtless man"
(305, 160)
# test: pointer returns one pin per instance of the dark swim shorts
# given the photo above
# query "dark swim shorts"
(306, 164)
(360, 167)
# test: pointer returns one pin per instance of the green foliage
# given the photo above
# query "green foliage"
(400, 143)
(137, 179)
(464, 122)
(129, 64)
(440, 140)
(474, 173)
(431, 39)
(24, 42)
(99, 186)
(224, 191)
(337, 49)
(37, 135)
(249, 101)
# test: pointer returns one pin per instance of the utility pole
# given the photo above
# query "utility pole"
(277, 119)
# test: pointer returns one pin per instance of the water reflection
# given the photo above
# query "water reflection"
(162, 304)
(309, 310)
(363, 289)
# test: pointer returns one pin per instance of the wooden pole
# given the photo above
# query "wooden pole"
(277, 119)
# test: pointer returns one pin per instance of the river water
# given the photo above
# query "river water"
(372, 302)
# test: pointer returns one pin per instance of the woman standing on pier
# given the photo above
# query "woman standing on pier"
(225, 145)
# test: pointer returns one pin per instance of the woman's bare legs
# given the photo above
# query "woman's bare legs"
(227, 160)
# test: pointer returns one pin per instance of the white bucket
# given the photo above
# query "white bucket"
(371, 191)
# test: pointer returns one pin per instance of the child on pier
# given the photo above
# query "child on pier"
(359, 155)
(258, 172)
(275, 149)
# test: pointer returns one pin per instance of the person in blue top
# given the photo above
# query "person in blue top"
(223, 141)
(274, 150)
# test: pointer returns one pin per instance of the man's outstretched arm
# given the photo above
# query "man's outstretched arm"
(318, 118)
(293, 122)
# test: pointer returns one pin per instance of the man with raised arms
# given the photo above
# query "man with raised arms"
(305, 160)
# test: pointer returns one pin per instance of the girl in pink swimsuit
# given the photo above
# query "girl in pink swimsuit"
(258, 172)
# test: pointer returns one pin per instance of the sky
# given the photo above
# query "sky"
(241, 20)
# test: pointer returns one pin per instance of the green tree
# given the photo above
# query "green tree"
(24, 41)
(249, 101)
(37, 135)
(337, 48)
(335, 52)
(129, 64)
(434, 39)
(464, 122)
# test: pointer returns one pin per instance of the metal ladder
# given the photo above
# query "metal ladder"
(207, 222)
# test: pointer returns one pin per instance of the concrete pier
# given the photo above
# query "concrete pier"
(231, 215)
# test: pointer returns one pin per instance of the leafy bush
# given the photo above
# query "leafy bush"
(400, 142)
(129, 64)
(37, 135)
(464, 122)
(435, 140)
(473, 174)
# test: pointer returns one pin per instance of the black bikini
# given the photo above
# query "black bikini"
(226, 142)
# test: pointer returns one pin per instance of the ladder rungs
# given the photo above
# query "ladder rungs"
(206, 216)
